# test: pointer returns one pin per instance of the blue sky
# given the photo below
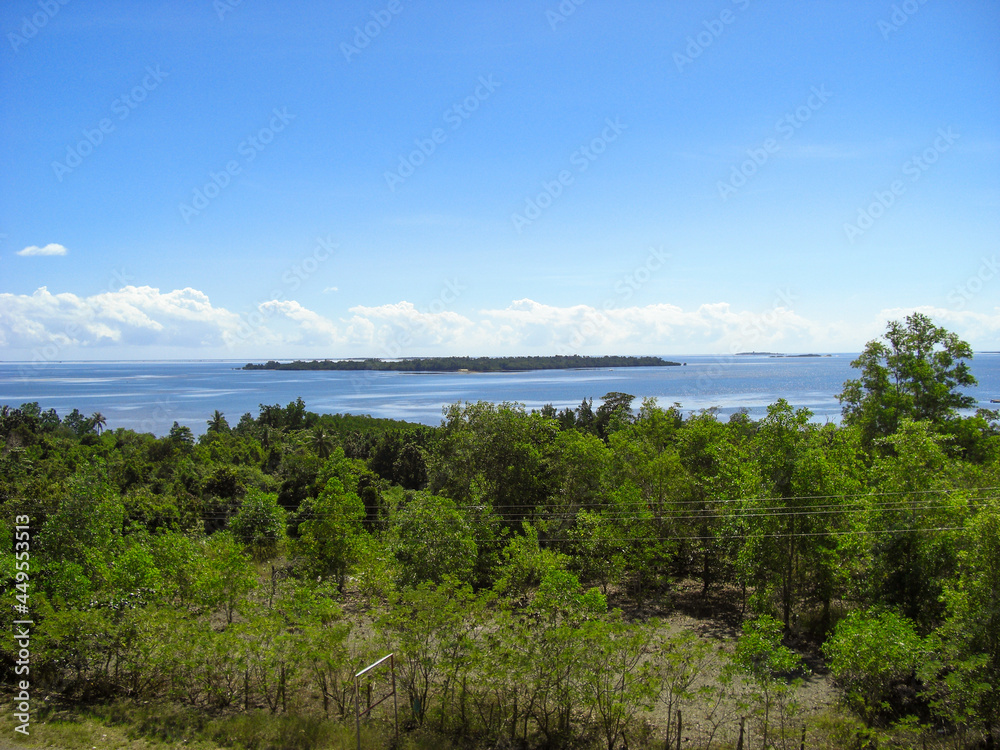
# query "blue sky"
(251, 179)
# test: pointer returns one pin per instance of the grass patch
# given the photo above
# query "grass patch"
(127, 726)
(84, 731)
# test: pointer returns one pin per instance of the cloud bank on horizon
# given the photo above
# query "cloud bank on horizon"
(375, 178)
(184, 323)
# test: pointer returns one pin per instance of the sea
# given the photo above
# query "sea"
(149, 396)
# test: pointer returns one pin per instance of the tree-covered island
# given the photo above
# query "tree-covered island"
(468, 364)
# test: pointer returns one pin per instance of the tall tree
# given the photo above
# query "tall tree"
(499, 449)
(218, 422)
(614, 412)
(776, 520)
(98, 421)
(331, 537)
(181, 435)
(322, 442)
(914, 523)
(914, 373)
(968, 679)
(433, 538)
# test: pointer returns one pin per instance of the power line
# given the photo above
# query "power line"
(778, 498)
(627, 511)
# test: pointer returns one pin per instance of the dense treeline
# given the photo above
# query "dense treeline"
(470, 364)
(258, 567)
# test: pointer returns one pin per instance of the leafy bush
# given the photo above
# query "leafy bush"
(874, 655)
(260, 524)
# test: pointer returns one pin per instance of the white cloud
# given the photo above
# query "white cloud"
(401, 329)
(305, 326)
(711, 327)
(50, 249)
(969, 325)
(142, 321)
(131, 316)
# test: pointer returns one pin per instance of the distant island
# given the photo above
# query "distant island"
(467, 364)
(800, 355)
(777, 354)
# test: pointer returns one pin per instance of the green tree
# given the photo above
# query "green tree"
(77, 423)
(259, 524)
(179, 559)
(615, 680)
(497, 449)
(829, 474)
(619, 538)
(332, 532)
(226, 575)
(773, 517)
(134, 574)
(76, 645)
(431, 628)
(698, 446)
(545, 652)
(765, 666)
(958, 685)
(966, 674)
(648, 489)
(585, 420)
(916, 516)
(98, 421)
(181, 436)
(525, 563)
(870, 654)
(915, 373)
(433, 538)
(577, 467)
(681, 660)
(86, 528)
(322, 442)
(218, 422)
(67, 585)
(331, 663)
(146, 645)
(614, 412)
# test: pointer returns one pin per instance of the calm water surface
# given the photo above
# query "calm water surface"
(151, 396)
